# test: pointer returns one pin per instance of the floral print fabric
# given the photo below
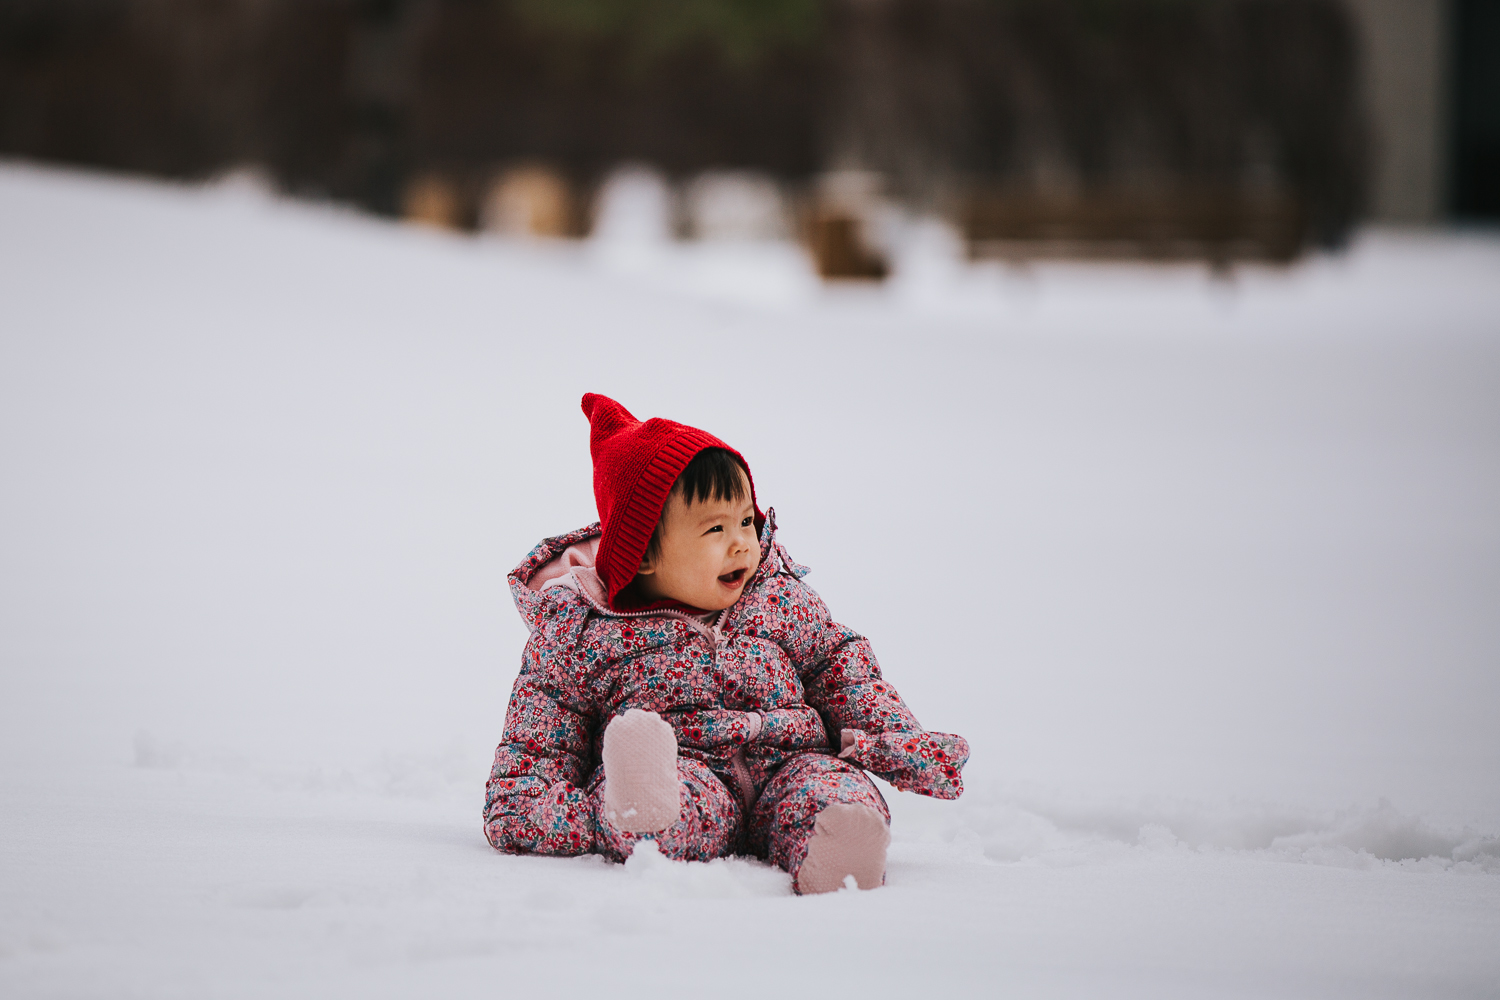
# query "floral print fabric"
(776, 711)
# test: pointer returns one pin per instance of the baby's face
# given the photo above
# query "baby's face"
(709, 551)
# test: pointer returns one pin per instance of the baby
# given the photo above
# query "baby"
(682, 683)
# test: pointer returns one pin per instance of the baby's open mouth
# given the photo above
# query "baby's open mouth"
(732, 579)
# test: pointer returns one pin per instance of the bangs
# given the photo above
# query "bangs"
(713, 474)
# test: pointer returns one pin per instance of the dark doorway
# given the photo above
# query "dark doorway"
(1476, 119)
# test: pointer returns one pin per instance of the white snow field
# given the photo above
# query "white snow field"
(1207, 571)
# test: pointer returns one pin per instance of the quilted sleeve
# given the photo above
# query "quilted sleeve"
(534, 801)
(866, 716)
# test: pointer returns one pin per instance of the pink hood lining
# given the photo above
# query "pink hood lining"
(574, 569)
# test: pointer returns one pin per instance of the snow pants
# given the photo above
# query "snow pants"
(714, 821)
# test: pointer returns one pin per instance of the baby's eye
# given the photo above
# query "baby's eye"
(747, 521)
(717, 527)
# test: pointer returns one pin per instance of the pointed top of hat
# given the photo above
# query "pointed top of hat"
(606, 417)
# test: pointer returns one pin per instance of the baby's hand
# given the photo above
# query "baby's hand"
(921, 762)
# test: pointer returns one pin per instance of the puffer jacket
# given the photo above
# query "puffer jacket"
(774, 678)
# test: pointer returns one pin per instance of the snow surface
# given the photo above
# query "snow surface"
(1206, 569)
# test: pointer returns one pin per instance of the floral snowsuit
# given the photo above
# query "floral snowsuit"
(776, 709)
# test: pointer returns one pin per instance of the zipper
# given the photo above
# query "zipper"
(740, 767)
(713, 632)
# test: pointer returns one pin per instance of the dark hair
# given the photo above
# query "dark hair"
(713, 474)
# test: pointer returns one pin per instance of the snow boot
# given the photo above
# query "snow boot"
(848, 840)
(642, 793)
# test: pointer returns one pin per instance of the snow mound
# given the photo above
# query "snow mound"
(1009, 828)
(722, 878)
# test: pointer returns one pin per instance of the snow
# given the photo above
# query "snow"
(1205, 568)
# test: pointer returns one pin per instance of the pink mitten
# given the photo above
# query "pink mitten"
(848, 839)
(642, 793)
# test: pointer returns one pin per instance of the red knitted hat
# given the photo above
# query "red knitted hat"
(635, 467)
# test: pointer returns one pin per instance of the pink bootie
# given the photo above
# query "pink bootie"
(847, 839)
(642, 793)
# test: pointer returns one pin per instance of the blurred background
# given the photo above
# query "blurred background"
(1200, 129)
